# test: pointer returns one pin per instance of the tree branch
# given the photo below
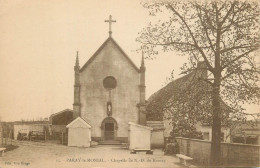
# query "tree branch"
(193, 38)
(205, 28)
(236, 47)
(237, 58)
(229, 11)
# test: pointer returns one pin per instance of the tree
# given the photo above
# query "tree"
(223, 34)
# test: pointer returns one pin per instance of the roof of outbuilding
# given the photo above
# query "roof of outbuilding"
(79, 119)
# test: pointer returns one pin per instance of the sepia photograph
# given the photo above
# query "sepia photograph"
(129, 84)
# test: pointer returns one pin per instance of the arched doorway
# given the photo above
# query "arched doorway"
(109, 128)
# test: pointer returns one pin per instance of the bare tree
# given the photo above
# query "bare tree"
(223, 34)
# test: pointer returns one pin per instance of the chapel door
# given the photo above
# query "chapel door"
(109, 131)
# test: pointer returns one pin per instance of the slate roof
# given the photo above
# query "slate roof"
(100, 49)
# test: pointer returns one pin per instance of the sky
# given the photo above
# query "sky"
(38, 45)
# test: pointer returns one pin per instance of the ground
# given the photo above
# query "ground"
(37, 154)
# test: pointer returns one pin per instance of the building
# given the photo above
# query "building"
(186, 97)
(246, 132)
(109, 92)
(206, 131)
(82, 128)
(58, 122)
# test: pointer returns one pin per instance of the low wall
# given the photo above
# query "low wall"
(231, 153)
(157, 139)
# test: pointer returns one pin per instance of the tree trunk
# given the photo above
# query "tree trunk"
(216, 116)
(215, 159)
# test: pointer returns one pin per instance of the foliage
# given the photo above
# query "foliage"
(223, 34)
(182, 130)
(172, 148)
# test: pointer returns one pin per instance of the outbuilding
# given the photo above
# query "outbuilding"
(79, 133)
(139, 137)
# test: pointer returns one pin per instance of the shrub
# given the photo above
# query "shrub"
(193, 134)
(171, 148)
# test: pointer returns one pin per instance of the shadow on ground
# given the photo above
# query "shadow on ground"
(9, 147)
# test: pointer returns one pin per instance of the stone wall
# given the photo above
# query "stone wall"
(157, 139)
(232, 154)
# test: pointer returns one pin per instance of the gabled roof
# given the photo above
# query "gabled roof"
(101, 47)
(79, 119)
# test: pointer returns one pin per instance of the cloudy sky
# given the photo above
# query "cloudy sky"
(38, 45)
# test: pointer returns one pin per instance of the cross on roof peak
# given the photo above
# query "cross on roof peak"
(110, 21)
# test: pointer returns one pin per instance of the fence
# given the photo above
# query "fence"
(26, 129)
(231, 153)
(10, 131)
(59, 132)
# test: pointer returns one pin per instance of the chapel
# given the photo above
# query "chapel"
(109, 92)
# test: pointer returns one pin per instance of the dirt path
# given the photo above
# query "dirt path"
(37, 155)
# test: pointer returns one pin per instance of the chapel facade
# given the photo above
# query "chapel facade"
(109, 92)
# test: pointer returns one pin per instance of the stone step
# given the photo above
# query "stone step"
(110, 142)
